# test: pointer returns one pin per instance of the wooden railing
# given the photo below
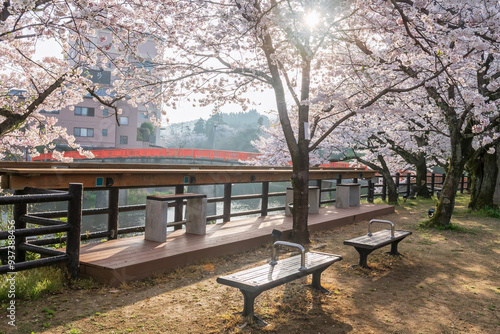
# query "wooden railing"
(113, 210)
(16, 244)
(404, 183)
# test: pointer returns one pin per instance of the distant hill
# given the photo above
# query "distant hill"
(245, 119)
(221, 131)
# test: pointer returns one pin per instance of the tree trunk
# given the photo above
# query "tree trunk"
(483, 172)
(446, 203)
(421, 189)
(460, 151)
(298, 147)
(496, 194)
(392, 191)
(418, 160)
(300, 183)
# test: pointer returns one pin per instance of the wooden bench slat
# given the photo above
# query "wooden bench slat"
(378, 239)
(366, 244)
(254, 281)
(285, 270)
(312, 259)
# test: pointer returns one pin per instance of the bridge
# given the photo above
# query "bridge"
(229, 157)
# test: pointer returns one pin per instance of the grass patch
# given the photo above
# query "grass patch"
(31, 284)
(493, 212)
(450, 227)
(377, 200)
(455, 228)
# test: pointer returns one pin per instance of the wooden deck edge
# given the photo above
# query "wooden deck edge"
(115, 277)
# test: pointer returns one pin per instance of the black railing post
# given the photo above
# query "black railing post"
(75, 225)
(462, 183)
(384, 189)
(179, 189)
(113, 198)
(20, 209)
(433, 181)
(397, 183)
(227, 202)
(265, 198)
(371, 191)
(408, 185)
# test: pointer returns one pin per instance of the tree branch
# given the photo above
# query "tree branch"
(14, 120)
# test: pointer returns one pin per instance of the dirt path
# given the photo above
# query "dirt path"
(448, 282)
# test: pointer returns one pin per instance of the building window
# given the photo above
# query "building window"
(104, 132)
(123, 120)
(84, 111)
(49, 111)
(123, 139)
(105, 112)
(83, 132)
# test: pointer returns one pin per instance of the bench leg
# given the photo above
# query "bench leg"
(363, 255)
(248, 304)
(249, 299)
(316, 280)
(394, 248)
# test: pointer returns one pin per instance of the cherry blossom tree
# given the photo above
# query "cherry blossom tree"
(455, 44)
(432, 64)
(238, 48)
(29, 86)
(326, 61)
(209, 52)
(322, 74)
(395, 141)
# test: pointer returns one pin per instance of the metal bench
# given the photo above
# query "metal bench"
(372, 241)
(252, 282)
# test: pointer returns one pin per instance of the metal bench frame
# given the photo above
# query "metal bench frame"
(252, 282)
(364, 245)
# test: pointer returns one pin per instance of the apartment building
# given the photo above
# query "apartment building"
(95, 126)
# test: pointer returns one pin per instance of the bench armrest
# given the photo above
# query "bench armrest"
(289, 244)
(380, 221)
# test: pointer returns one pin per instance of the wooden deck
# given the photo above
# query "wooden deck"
(127, 259)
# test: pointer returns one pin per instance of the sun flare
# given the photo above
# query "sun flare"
(311, 19)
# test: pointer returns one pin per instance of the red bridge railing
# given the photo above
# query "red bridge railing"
(156, 153)
(168, 153)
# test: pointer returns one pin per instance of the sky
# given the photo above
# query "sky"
(185, 112)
